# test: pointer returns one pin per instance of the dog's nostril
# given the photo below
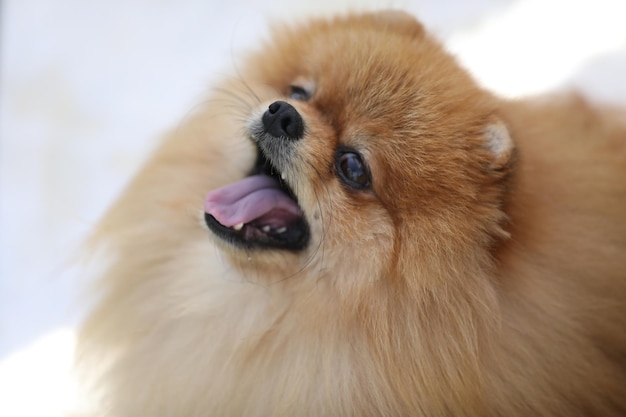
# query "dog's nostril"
(275, 106)
(282, 120)
(285, 123)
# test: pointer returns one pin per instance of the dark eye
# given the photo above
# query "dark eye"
(352, 170)
(298, 93)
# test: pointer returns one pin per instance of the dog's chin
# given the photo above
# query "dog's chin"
(277, 229)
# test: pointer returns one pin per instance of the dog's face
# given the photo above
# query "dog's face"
(371, 145)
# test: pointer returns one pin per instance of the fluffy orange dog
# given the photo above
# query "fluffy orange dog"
(353, 227)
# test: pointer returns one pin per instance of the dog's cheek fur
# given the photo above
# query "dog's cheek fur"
(344, 221)
(383, 288)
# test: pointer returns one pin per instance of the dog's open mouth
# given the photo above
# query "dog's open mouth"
(260, 211)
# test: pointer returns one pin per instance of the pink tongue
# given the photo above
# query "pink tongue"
(249, 199)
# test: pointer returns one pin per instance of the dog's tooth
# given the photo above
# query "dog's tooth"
(266, 228)
(282, 175)
(281, 229)
(238, 226)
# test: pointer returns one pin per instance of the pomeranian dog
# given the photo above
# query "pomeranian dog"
(353, 227)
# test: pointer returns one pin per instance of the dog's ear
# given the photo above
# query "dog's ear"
(398, 20)
(498, 141)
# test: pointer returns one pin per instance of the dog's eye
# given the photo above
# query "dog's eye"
(298, 93)
(352, 170)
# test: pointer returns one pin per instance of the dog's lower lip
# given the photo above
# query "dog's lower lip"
(251, 236)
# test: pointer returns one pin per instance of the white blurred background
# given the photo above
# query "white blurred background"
(86, 87)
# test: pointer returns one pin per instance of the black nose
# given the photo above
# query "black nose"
(283, 120)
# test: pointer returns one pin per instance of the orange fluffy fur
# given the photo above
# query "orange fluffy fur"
(484, 274)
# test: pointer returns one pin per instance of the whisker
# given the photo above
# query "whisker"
(321, 243)
(321, 246)
(236, 96)
(240, 78)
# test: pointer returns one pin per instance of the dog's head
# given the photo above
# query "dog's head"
(371, 145)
